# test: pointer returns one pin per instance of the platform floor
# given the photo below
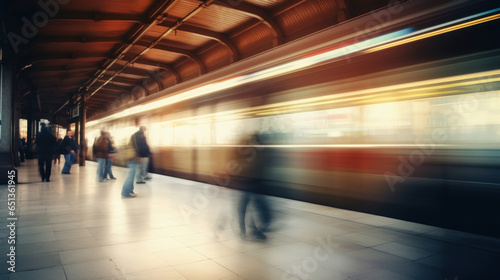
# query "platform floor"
(76, 228)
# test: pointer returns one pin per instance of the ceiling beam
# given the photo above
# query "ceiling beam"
(78, 16)
(189, 54)
(95, 17)
(287, 5)
(76, 39)
(221, 38)
(56, 68)
(145, 74)
(121, 79)
(69, 56)
(258, 13)
(165, 67)
(154, 15)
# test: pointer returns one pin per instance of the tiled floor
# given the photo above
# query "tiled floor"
(76, 228)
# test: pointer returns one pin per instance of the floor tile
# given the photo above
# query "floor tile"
(364, 239)
(215, 250)
(194, 239)
(242, 264)
(180, 256)
(382, 275)
(71, 234)
(51, 273)
(83, 255)
(37, 261)
(206, 270)
(76, 228)
(92, 270)
(276, 255)
(404, 251)
(138, 262)
(156, 274)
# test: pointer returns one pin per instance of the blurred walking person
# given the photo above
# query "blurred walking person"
(57, 155)
(251, 163)
(109, 159)
(130, 155)
(20, 149)
(101, 147)
(69, 150)
(141, 146)
(45, 147)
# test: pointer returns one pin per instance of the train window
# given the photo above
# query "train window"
(184, 134)
(203, 134)
(468, 118)
(227, 132)
(388, 122)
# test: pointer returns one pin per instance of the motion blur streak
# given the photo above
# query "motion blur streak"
(332, 119)
(440, 31)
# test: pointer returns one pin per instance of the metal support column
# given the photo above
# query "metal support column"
(7, 137)
(83, 121)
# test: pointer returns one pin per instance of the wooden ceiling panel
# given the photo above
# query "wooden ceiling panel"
(103, 49)
(70, 28)
(219, 18)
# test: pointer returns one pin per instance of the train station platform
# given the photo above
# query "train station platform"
(77, 228)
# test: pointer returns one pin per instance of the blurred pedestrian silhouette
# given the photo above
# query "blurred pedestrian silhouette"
(250, 157)
(109, 159)
(45, 144)
(100, 150)
(57, 155)
(69, 148)
(20, 148)
(132, 158)
(143, 153)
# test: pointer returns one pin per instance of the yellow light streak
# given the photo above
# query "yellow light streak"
(434, 33)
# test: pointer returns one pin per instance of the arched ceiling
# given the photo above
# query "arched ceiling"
(116, 51)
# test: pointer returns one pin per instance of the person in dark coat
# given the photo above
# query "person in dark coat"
(109, 160)
(20, 148)
(101, 147)
(45, 148)
(69, 150)
(142, 149)
(251, 164)
(57, 155)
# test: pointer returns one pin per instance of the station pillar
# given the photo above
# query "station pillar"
(83, 121)
(8, 141)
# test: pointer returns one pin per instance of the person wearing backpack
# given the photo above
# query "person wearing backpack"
(109, 160)
(69, 148)
(101, 147)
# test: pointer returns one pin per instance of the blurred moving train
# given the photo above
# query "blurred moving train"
(394, 113)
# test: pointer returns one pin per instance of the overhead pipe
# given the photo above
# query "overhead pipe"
(154, 43)
(158, 17)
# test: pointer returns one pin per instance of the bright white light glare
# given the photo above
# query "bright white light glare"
(259, 75)
(336, 53)
(363, 45)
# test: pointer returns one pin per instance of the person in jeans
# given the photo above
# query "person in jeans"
(101, 147)
(109, 159)
(141, 146)
(45, 148)
(128, 186)
(69, 150)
